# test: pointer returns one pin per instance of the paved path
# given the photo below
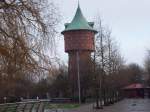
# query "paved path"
(127, 105)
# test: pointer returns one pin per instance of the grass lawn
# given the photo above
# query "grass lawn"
(62, 106)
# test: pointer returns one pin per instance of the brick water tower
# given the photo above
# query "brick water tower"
(79, 43)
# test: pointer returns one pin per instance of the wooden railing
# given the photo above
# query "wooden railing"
(27, 106)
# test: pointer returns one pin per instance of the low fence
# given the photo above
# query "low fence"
(25, 106)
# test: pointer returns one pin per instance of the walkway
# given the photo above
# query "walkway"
(127, 105)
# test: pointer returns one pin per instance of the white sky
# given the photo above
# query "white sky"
(128, 19)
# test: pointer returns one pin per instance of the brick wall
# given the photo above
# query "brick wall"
(79, 40)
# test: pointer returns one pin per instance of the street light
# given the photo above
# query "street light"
(78, 71)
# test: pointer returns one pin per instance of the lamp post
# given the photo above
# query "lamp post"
(78, 72)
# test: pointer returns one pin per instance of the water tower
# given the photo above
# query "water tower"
(79, 43)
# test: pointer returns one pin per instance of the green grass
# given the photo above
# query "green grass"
(62, 106)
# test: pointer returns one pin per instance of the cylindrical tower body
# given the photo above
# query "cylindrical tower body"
(81, 41)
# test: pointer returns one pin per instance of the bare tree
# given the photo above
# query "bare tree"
(108, 60)
(27, 28)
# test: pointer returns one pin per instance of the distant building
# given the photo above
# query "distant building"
(136, 90)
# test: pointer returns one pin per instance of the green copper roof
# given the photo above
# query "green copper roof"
(79, 23)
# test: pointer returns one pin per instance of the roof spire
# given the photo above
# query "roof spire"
(79, 22)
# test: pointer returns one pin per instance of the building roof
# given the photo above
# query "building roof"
(135, 86)
(79, 23)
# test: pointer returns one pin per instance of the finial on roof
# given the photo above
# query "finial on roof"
(78, 3)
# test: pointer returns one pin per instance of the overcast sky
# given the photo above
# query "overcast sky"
(128, 19)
